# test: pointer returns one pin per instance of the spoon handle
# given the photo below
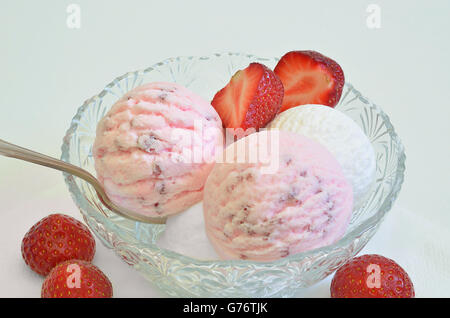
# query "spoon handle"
(10, 150)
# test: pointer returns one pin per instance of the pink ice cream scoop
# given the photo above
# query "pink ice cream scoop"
(155, 148)
(251, 214)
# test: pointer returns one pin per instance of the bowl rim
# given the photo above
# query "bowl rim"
(358, 231)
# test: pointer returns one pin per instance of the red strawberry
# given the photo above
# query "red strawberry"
(371, 276)
(251, 99)
(309, 78)
(55, 239)
(76, 279)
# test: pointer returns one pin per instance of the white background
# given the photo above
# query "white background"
(48, 70)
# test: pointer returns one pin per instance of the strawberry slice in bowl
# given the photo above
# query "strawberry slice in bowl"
(251, 99)
(309, 77)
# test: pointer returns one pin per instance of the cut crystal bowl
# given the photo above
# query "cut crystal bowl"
(179, 275)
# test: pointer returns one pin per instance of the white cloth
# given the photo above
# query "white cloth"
(29, 193)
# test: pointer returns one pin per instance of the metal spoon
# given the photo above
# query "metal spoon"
(9, 150)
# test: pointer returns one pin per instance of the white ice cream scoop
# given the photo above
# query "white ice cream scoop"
(341, 136)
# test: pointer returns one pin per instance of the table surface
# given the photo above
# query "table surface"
(49, 69)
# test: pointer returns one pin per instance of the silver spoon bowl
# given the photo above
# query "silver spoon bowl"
(13, 151)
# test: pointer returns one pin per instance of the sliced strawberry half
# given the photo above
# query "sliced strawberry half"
(251, 99)
(309, 78)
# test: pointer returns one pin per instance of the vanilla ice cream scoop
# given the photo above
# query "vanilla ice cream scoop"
(341, 136)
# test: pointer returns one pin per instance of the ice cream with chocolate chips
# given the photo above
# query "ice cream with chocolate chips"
(155, 148)
(253, 215)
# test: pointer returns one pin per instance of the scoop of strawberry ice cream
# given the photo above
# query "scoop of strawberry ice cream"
(341, 136)
(155, 148)
(305, 204)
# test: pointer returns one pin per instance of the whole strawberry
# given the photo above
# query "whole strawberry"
(76, 279)
(55, 239)
(251, 99)
(371, 276)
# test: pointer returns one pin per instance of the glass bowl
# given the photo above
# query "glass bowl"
(179, 275)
